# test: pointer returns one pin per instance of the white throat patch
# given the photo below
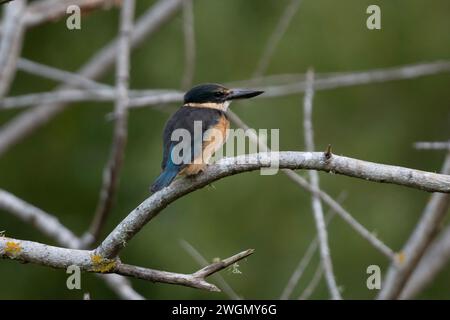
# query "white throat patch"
(226, 104)
(211, 105)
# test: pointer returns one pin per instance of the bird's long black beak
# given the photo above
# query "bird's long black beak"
(243, 94)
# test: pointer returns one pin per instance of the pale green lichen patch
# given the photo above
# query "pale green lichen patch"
(102, 265)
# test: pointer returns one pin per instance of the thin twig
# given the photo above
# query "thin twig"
(111, 173)
(435, 145)
(316, 203)
(312, 285)
(72, 79)
(227, 289)
(369, 171)
(305, 260)
(276, 36)
(426, 229)
(189, 44)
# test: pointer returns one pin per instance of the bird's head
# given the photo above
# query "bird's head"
(215, 96)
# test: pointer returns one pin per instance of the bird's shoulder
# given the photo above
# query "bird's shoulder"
(185, 118)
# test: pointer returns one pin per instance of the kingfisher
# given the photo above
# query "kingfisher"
(203, 119)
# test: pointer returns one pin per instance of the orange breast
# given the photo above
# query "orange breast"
(213, 141)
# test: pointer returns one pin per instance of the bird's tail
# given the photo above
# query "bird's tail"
(164, 179)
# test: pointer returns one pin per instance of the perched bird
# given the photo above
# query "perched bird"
(206, 105)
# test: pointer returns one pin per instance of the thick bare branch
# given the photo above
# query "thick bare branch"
(150, 208)
(111, 173)
(61, 258)
(426, 229)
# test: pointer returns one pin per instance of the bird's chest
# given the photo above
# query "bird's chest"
(215, 137)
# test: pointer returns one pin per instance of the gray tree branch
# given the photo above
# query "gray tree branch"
(12, 30)
(370, 171)
(62, 258)
(50, 226)
(30, 120)
(314, 180)
(435, 260)
(426, 230)
(111, 173)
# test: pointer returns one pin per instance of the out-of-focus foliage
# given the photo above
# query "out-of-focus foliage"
(59, 167)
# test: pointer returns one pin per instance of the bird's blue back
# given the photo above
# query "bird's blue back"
(183, 118)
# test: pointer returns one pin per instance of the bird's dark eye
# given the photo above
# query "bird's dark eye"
(219, 94)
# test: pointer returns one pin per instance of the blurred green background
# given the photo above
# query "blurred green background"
(59, 168)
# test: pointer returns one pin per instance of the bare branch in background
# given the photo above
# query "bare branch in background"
(314, 180)
(51, 227)
(434, 261)
(435, 145)
(189, 44)
(61, 258)
(344, 214)
(111, 173)
(98, 95)
(43, 11)
(334, 205)
(227, 289)
(46, 223)
(312, 284)
(305, 260)
(363, 77)
(146, 25)
(146, 98)
(426, 229)
(69, 78)
(281, 28)
(12, 30)
(121, 286)
(369, 171)
(423, 256)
